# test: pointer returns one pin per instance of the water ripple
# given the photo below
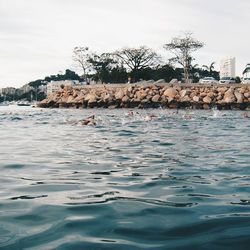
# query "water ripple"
(169, 183)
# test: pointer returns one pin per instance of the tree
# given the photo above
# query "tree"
(209, 68)
(70, 75)
(194, 72)
(81, 56)
(136, 59)
(102, 64)
(118, 74)
(247, 69)
(237, 79)
(182, 48)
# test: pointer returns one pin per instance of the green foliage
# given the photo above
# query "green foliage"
(35, 94)
(118, 75)
(102, 65)
(68, 75)
(247, 69)
(237, 79)
(166, 72)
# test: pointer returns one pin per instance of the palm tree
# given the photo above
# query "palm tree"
(247, 69)
(209, 68)
(205, 67)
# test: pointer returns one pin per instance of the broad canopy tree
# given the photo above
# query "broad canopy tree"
(136, 59)
(182, 48)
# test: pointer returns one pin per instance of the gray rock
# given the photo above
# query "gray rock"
(161, 81)
(174, 81)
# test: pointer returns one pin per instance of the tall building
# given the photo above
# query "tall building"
(227, 67)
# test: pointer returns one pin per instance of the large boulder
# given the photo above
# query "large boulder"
(242, 90)
(90, 98)
(79, 98)
(185, 92)
(156, 98)
(219, 97)
(107, 97)
(203, 94)
(70, 99)
(140, 95)
(196, 98)
(247, 94)
(161, 81)
(207, 99)
(43, 103)
(170, 92)
(119, 94)
(52, 98)
(229, 96)
(186, 98)
(239, 96)
(63, 99)
(174, 81)
(211, 94)
(222, 90)
(125, 99)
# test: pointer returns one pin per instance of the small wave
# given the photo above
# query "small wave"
(28, 197)
(101, 173)
(242, 203)
(16, 118)
(14, 166)
(148, 201)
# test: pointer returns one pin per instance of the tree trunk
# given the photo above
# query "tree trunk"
(186, 73)
(85, 76)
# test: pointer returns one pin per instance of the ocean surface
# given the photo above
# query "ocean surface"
(178, 181)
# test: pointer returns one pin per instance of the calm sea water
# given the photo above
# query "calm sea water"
(180, 181)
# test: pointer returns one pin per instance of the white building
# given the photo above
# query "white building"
(55, 86)
(227, 67)
(8, 91)
(26, 88)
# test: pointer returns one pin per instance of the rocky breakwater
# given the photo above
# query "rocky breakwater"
(151, 96)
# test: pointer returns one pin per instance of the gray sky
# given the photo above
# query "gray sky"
(37, 36)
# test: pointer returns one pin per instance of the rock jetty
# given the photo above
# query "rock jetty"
(153, 95)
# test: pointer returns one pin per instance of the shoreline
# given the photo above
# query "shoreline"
(152, 95)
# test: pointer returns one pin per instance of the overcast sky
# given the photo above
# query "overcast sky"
(37, 36)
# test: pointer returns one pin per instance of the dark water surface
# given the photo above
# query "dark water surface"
(180, 181)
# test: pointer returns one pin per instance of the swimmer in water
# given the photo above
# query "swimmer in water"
(150, 117)
(130, 113)
(176, 112)
(245, 115)
(89, 121)
(188, 117)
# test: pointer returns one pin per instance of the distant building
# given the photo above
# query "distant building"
(227, 67)
(54, 86)
(26, 88)
(8, 91)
